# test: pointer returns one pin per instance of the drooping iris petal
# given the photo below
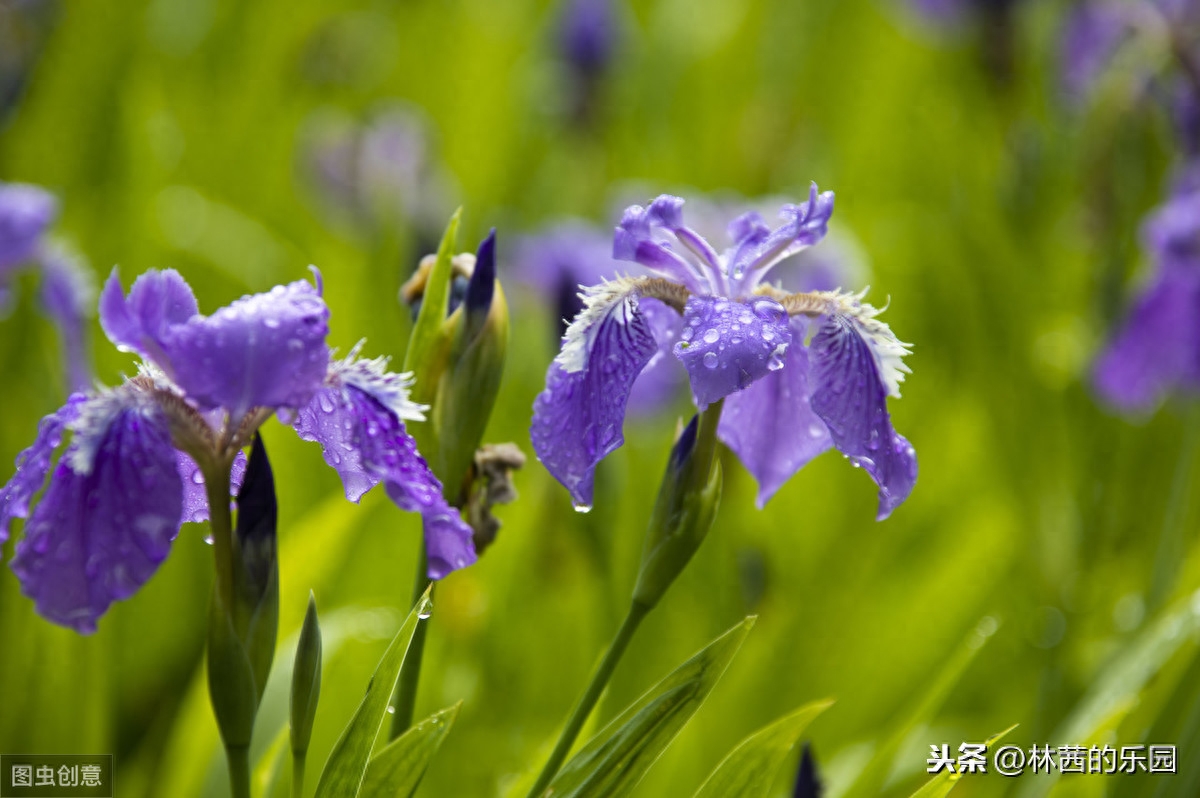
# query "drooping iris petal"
(770, 425)
(851, 380)
(357, 419)
(140, 321)
(195, 497)
(725, 346)
(25, 213)
(34, 463)
(577, 419)
(97, 536)
(1158, 348)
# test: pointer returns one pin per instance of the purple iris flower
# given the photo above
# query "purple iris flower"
(1157, 350)
(739, 339)
(131, 474)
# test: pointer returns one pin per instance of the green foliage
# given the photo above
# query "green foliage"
(396, 770)
(750, 769)
(614, 761)
(347, 764)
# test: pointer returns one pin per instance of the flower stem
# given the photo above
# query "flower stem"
(298, 760)
(583, 708)
(1170, 541)
(220, 521)
(239, 770)
(404, 700)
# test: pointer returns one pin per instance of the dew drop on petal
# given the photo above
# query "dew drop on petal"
(710, 360)
(711, 337)
(583, 508)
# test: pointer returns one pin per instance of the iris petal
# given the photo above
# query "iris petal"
(195, 496)
(725, 346)
(97, 537)
(850, 396)
(34, 463)
(770, 425)
(365, 441)
(577, 419)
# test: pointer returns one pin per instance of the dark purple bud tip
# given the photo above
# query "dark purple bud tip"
(683, 447)
(483, 280)
(808, 783)
(257, 517)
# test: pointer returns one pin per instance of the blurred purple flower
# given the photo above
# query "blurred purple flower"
(1091, 35)
(588, 35)
(739, 338)
(1157, 350)
(26, 213)
(132, 475)
(380, 171)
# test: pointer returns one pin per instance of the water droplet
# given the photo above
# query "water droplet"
(208, 539)
(768, 334)
(198, 477)
(711, 336)
(425, 608)
(687, 334)
(271, 323)
(326, 404)
(583, 508)
(815, 431)
(391, 710)
(775, 363)
(710, 360)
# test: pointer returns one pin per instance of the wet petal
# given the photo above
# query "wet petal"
(195, 496)
(851, 383)
(25, 213)
(577, 419)
(34, 463)
(357, 419)
(1158, 348)
(97, 536)
(643, 237)
(265, 350)
(725, 346)
(139, 322)
(770, 425)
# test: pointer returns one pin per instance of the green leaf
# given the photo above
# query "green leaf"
(428, 332)
(750, 769)
(396, 771)
(615, 760)
(871, 781)
(944, 782)
(347, 763)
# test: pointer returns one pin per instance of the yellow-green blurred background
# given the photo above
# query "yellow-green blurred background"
(1015, 586)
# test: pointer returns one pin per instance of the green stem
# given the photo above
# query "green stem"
(404, 700)
(239, 770)
(220, 521)
(298, 759)
(587, 701)
(1170, 541)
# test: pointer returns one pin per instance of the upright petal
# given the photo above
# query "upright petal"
(265, 350)
(577, 419)
(98, 535)
(195, 495)
(34, 463)
(140, 321)
(25, 213)
(770, 425)
(642, 238)
(854, 370)
(725, 346)
(1157, 350)
(358, 420)
(756, 252)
